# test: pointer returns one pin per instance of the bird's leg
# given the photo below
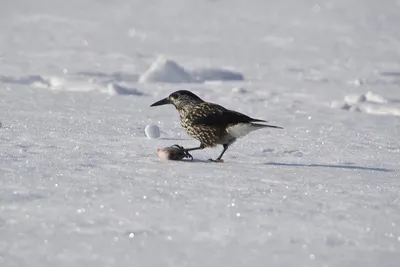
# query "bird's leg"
(178, 146)
(189, 149)
(185, 151)
(194, 148)
(219, 159)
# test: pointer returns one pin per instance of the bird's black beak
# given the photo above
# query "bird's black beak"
(161, 102)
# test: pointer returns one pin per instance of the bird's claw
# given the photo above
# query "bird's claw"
(186, 153)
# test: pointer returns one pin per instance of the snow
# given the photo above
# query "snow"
(369, 103)
(82, 185)
(164, 70)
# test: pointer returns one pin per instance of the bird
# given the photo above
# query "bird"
(210, 123)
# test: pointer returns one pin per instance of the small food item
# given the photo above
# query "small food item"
(174, 152)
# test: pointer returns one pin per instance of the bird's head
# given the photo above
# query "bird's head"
(180, 99)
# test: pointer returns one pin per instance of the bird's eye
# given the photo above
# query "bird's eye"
(173, 97)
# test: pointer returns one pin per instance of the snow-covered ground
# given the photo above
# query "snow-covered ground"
(81, 184)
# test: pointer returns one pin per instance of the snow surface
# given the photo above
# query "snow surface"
(81, 185)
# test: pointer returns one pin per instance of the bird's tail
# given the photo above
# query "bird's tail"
(259, 125)
(242, 129)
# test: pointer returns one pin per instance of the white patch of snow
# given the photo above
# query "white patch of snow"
(57, 83)
(369, 103)
(380, 110)
(374, 98)
(165, 71)
(354, 99)
(35, 80)
(356, 82)
(68, 84)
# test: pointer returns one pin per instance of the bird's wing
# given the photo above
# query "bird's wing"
(216, 115)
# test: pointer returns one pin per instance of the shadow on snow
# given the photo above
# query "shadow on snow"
(354, 167)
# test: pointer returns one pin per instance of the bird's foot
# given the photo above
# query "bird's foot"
(216, 160)
(185, 153)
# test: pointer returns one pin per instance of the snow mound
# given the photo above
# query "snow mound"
(71, 84)
(166, 71)
(32, 80)
(63, 84)
(363, 98)
(49, 82)
(369, 103)
(381, 110)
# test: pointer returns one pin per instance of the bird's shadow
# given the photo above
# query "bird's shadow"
(335, 166)
(195, 160)
(198, 161)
